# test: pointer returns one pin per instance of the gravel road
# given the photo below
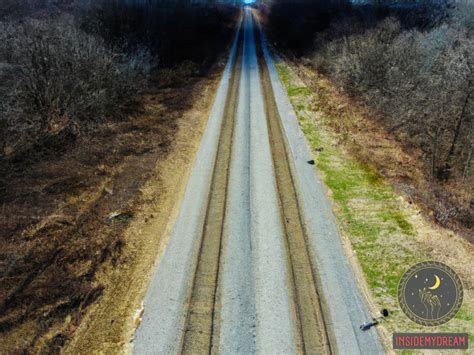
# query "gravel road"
(254, 263)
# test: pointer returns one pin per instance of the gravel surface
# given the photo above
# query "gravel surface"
(254, 307)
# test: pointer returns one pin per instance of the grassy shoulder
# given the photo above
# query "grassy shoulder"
(386, 233)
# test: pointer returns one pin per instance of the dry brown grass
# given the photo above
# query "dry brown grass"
(111, 322)
(59, 250)
(66, 167)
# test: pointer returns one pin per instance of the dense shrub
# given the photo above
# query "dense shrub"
(173, 31)
(294, 24)
(422, 81)
(411, 65)
(66, 65)
(412, 62)
(61, 78)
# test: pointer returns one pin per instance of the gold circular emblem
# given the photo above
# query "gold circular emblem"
(430, 293)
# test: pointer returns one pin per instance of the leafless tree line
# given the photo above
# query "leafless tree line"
(58, 80)
(67, 65)
(422, 81)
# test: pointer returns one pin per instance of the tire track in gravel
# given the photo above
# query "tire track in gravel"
(313, 337)
(202, 317)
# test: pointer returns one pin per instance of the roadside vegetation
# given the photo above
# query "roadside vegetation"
(90, 100)
(66, 68)
(383, 94)
(411, 66)
(385, 232)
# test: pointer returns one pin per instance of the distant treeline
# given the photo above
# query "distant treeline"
(412, 63)
(66, 66)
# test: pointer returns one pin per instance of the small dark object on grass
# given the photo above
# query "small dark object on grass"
(311, 162)
(318, 149)
(369, 324)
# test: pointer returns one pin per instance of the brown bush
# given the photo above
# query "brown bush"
(411, 66)
(422, 82)
(175, 31)
(58, 77)
(66, 67)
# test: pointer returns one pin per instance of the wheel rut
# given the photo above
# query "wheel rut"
(202, 316)
(312, 335)
(246, 270)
